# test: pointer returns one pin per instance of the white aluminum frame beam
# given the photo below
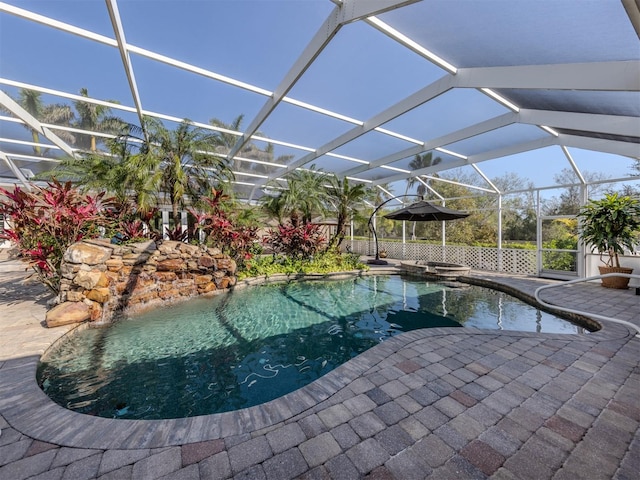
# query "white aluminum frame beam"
(607, 76)
(632, 7)
(50, 22)
(87, 34)
(33, 123)
(482, 157)
(418, 98)
(462, 134)
(16, 171)
(615, 147)
(349, 11)
(118, 29)
(574, 166)
(486, 179)
(612, 124)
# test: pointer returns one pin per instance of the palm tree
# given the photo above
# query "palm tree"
(178, 164)
(273, 206)
(227, 140)
(305, 195)
(122, 172)
(95, 118)
(186, 160)
(250, 150)
(419, 162)
(56, 113)
(344, 198)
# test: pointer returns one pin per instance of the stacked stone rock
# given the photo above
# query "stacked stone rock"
(100, 279)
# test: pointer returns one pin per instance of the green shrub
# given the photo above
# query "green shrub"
(326, 262)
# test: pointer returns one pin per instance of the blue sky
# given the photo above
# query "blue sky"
(256, 41)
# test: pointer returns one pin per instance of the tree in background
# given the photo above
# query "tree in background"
(632, 190)
(344, 200)
(180, 165)
(263, 157)
(226, 140)
(519, 217)
(374, 198)
(96, 118)
(56, 113)
(569, 201)
(421, 161)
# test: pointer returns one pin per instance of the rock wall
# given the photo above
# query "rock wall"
(100, 280)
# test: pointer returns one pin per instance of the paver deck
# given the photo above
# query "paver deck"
(434, 403)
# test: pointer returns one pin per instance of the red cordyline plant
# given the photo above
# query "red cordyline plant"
(302, 241)
(126, 223)
(44, 222)
(219, 231)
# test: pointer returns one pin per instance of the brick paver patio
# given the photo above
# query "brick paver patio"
(434, 403)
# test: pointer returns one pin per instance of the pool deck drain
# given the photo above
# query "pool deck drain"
(435, 403)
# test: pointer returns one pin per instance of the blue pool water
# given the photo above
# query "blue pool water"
(256, 344)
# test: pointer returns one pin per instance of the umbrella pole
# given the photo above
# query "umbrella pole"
(377, 260)
(375, 240)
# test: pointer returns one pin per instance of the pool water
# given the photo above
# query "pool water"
(256, 344)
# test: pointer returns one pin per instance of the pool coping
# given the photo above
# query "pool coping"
(29, 410)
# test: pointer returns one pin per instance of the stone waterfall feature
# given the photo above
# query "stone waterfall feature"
(100, 280)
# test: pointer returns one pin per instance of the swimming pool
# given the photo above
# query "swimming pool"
(252, 345)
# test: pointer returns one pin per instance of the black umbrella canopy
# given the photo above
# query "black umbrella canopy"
(424, 211)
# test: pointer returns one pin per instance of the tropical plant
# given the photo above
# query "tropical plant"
(125, 222)
(185, 160)
(123, 172)
(273, 206)
(46, 221)
(344, 199)
(304, 196)
(419, 162)
(177, 233)
(609, 225)
(302, 241)
(95, 118)
(324, 262)
(218, 230)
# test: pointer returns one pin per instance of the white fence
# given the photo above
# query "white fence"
(479, 258)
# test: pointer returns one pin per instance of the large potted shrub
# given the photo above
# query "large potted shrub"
(610, 225)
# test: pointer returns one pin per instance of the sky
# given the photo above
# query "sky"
(359, 74)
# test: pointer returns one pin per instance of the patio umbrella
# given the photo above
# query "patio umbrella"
(424, 211)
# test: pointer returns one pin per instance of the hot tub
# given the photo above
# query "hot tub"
(435, 269)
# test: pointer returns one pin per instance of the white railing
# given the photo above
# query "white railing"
(509, 260)
(588, 314)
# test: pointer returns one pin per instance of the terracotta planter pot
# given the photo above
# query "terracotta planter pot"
(615, 282)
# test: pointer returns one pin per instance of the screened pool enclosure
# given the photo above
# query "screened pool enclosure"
(512, 102)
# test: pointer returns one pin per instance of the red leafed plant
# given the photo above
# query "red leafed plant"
(177, 233)
(302, 241)
(220, 231)
(44, 222)
(126, 223)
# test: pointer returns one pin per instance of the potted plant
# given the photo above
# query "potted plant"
(609, 225)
